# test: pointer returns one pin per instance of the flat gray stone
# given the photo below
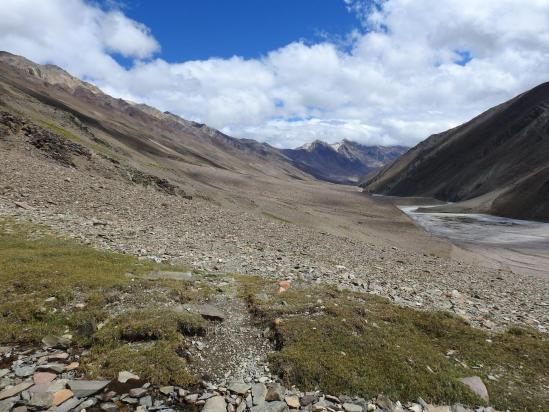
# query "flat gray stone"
(276, 406)
(69, 405)
(109, 407)
(209, 312)
(240, 388)
(166, 390)
(88, 403)
(215, 404)
(477, 386)
(351, 407)
(83, 389)
(41, 400)
(146, 401)
(5, 406)
(137, 392)
(14, 390)
(24, 371)
(259, 391)
(53, 367)
(4, 372)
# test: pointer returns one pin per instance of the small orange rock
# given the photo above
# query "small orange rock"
(72, 366)
(61, 396)
(283, 286)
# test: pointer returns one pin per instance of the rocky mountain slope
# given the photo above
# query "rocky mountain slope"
(140, 136)
(148, 136)
(498, 162)
(342, 162)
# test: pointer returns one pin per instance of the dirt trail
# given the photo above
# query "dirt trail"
(233, 349)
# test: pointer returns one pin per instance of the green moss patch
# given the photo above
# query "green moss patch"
(104, 300)
(156, 362)
(361, 344)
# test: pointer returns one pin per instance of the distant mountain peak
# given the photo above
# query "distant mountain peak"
(344, 161)
(314, 145)
(48, 73)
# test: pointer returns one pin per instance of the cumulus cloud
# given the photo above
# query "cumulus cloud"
(411, 68)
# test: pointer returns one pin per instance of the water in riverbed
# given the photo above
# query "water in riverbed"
(521, 245)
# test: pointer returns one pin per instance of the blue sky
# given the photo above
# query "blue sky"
(197, 30)
(291, 71)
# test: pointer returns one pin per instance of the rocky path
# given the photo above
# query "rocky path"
(234, 348)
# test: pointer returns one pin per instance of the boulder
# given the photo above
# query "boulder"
(477, 386)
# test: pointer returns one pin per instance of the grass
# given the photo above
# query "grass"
(275, 217)
(361, 344)
(139, 332)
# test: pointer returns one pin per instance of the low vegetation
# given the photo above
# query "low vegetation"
(55, 286)
(338, 341)
(361, 344)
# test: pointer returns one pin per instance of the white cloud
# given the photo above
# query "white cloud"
(398, 82)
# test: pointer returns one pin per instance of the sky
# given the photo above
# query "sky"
(291, 71)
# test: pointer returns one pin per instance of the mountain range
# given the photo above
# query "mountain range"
(342, 162)
(134, 131)
(496, 163)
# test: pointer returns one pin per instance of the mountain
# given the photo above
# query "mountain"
(144, 135)
(342, 162)
(139, 136)
(496, 163)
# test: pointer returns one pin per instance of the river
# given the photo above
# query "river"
(520, 245)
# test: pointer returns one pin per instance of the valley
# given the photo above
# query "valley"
(173, 267)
